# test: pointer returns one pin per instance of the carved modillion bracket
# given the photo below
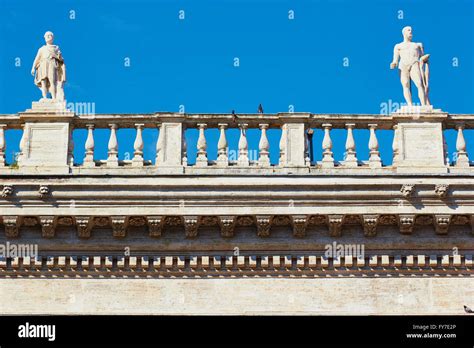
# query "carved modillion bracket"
(84, 226)
(299, 223)
(191, 226)
(155, 225)
(441, 223)
(335, 225)
(48, 226)
(227, 225)
(370, 223)
(119, 226)
(406, 223)
(264, 223)
(12, 226)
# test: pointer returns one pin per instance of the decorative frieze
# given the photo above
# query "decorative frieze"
(281, 220)
(30, 221)
(228, 223)
(136, 221)
(65, 221)
(174, 220)
(388, 220)
(101, 221)
(245, 220)
(318, 220)
(424, 220)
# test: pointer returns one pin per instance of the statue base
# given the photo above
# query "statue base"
(49, 106)
(417, 109)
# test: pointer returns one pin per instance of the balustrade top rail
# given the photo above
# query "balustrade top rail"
(14, 121)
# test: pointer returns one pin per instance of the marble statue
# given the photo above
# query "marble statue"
(50, 69)
(413, 66)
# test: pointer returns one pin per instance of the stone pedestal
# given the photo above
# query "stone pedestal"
(46, 142)
(421, 141)
(294, 145)
(170, 146)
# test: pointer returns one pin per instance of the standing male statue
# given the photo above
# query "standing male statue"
(50, 69)
(413, 65)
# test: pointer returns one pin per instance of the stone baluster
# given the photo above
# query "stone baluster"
(159, 146)
(374, 159)
(137, 160)
(328, 159)
(351, 157)
(447, 161)
(307, 160)
(90, 145)
(264, 146)
(222, 158)
(23, 141)
(201, 160)
(462, 159)
(309, 146)
(70, 149)
(283, 145)
(243, 159)
(2, 144)
(112, 160)
(395, 146)
(184, 147)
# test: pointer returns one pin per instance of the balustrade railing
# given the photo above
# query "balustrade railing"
(293, 150)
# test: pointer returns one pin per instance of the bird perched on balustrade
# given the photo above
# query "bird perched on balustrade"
(260, 109)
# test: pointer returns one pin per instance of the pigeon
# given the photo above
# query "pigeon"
(234, 116)
(468, 310)
(260, 109)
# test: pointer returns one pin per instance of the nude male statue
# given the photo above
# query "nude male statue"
(413, 64)
(50, 69)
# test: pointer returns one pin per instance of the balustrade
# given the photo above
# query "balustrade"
(293, 149)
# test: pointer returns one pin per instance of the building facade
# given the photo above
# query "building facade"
(237, 235)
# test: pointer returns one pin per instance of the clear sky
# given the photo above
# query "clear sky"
(331, 56)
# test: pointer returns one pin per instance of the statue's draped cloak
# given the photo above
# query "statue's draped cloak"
(48, 68)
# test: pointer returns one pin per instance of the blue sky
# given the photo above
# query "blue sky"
(283, 61)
